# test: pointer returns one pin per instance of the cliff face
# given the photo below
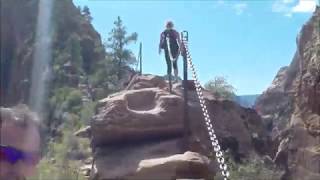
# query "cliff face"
(16, 46)
(291, 107)
(18, 32)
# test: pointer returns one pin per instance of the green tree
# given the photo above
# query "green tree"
(220, 88)
(79, 9)
(86, 13)
(116, 45)
(74, 48)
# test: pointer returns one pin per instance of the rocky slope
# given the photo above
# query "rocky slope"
(291, 107)
(138, 133)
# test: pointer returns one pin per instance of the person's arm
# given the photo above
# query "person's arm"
(160, 42)
(179, 42)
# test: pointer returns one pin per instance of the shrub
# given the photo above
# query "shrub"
(221, 88)
(48, 170)
(253, 168)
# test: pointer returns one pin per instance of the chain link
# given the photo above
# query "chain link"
(214, 141)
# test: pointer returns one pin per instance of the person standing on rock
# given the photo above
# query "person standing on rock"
(171, 43)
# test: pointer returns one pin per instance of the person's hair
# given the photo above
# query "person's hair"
(169, 24)
(20, 116)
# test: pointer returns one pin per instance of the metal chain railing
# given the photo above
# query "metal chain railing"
(214, 141)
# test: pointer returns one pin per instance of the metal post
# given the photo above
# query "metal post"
(184, 37)
(140, 56)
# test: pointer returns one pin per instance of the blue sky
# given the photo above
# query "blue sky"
(245, 41)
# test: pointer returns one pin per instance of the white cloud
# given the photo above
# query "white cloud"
(305, 6)
(288, 7)
(240, 8)
(281, 6)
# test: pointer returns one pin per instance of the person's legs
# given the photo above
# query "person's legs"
(175, 69)
(168, 61)
(169, 69)
(175, 55)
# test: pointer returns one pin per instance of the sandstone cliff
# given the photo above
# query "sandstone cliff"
(291, 107)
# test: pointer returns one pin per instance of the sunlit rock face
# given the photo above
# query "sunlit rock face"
(291, 107)
(138, 115)
(139, 132)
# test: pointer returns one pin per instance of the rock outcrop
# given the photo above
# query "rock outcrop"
(189, 164)
(137, 115)
(291, 107)
(138, 133)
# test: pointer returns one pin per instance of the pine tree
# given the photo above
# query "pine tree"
(116, 45)
(79, 9)
(75, 51)
(86, 13)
